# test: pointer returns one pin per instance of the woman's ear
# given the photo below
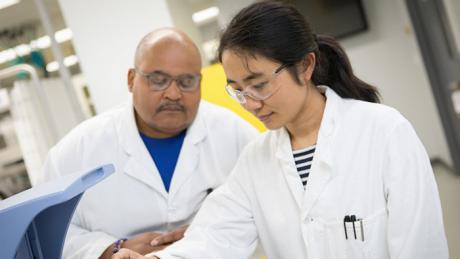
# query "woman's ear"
(309, 66)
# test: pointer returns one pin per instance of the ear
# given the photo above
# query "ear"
(131, 75)
(310, 62)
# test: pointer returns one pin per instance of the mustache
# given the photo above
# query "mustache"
(171, 107)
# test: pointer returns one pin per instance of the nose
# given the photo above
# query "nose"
(252, 105)
(173, 92)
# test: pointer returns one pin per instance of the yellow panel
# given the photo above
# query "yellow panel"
(213, 91)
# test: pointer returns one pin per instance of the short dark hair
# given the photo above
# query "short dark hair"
(279, 32)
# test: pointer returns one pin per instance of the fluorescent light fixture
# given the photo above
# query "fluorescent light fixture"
(45, 41)
(22, 50)
(63, 35)
(52, 66)
(7, 55)
(40, 43)
(205, 15)
(7, 3)
(68, 61)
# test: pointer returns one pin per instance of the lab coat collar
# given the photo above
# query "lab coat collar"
(140, 164)
(321, 171)
(189, 156)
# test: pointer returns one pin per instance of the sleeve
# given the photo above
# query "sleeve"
(224, 227)
(415, 225)
(80, 242)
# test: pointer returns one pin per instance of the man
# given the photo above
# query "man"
(169, 150)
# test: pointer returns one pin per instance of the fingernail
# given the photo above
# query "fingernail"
(154, 242)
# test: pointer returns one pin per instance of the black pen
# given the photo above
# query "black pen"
(345, 220)
(353, 219)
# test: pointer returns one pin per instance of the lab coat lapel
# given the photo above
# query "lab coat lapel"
(189, 156)
(286, 160)
(139, 164)
(321, 171)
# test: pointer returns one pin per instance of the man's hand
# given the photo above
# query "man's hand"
(139, 244)
(169, 238)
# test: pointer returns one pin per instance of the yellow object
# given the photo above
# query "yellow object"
(213, 91)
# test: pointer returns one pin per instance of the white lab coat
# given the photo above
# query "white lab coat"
(134, 199)
(368, 162)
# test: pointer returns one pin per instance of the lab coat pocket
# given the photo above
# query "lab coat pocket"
(360, 241)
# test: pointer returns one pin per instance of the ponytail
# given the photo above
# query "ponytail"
(278, 31)
(333, 69)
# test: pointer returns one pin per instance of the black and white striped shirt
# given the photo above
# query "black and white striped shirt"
(303, 159)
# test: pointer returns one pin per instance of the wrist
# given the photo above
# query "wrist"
(117, 245)
(112, 249)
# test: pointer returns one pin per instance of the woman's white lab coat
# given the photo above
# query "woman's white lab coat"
(368, 162)
(133, 200)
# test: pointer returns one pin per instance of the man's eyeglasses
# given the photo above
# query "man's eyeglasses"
(159, 81)
(258, 92)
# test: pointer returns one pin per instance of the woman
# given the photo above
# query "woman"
(337, 175)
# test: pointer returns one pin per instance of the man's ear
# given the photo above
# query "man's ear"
(131, 75)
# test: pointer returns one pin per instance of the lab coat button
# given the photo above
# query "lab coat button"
(309, 219)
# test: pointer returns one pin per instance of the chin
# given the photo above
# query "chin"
(273, 126)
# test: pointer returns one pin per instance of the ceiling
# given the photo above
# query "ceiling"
(26, 12)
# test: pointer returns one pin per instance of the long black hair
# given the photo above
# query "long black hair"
(278, 31)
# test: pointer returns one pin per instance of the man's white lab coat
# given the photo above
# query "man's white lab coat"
(134, 199)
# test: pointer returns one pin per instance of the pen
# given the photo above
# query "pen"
(362, 229)
(353, 219)
(345, 220)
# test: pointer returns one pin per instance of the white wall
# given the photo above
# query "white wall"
(388, 57)
(182, 19)
(105, 35)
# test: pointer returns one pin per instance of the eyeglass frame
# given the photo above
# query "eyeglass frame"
(234, 93)
(170, 79)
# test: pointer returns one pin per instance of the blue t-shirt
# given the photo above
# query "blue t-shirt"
(165, 153)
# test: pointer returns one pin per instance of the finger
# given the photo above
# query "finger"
(168, 238)
(158, 248)
(126, 254)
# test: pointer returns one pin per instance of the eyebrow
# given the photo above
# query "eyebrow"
(250, 77)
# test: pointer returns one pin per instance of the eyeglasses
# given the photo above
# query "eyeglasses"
(159, 81)
(258, 92)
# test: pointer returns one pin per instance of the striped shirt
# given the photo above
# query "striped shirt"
(303, 159)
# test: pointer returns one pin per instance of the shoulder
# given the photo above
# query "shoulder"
(95, 128)
(371, 114)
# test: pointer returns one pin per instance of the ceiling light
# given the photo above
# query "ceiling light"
(7, 3)
(205, 15)
(68, 61)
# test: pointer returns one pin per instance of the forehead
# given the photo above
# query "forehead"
(238, 66)
(170, 57)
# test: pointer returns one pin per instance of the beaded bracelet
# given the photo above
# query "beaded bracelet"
(117, 245)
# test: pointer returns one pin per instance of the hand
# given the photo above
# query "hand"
(169, 238)
(139, 244)
(128, 254)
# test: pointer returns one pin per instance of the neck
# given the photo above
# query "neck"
(304, 128)
(149, 131)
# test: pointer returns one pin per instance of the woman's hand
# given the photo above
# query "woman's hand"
(129, 254)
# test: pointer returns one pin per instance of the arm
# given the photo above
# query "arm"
(224, 227)
(415, 226)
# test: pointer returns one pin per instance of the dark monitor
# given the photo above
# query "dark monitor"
(338, 18)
